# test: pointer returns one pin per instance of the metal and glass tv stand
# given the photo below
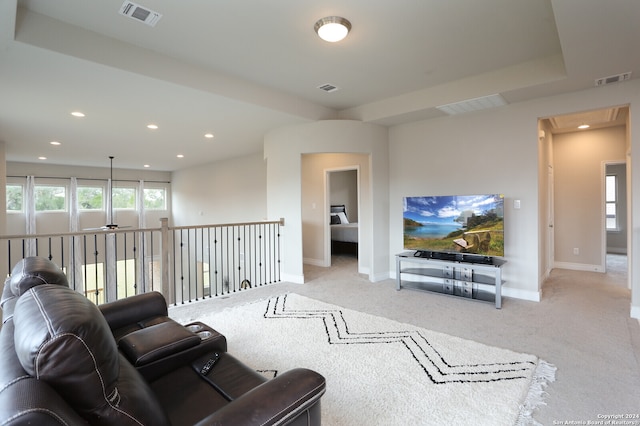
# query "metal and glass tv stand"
(470, 276)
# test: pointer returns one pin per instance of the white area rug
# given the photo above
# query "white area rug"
(382, 372)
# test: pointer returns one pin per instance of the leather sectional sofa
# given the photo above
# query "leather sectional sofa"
(65, 361)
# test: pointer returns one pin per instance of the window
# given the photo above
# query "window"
(611, 200)
(15, 198)
(155, 199)
(50, 198)
(123, 198)
(90, 198)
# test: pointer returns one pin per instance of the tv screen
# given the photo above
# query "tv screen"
(455, 224)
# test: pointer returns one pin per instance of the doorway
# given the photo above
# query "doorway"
(342, 191)
(576, 159)
(616, 222)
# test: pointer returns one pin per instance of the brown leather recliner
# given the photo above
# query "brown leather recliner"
(65, 362)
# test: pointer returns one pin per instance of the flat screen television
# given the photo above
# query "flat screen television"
(452, 224)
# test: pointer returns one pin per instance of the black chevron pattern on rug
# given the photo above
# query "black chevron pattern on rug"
(436, 367)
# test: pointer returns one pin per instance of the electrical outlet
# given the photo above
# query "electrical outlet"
(576, 251)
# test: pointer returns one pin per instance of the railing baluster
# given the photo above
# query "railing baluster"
(175, 271)
(182, 265)
(62, 253)
(151, 269)
(84, 262)
(215, 258)
(211, 262)
(279, 271)
(95, 255)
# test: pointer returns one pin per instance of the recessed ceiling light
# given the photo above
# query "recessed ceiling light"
(42, 158)
(147, 165)
(55, 143)
(152, 126)
(180, 156)
(77, 114)
(583, 126)
(208, 135)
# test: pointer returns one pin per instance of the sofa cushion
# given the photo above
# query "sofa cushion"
(62, 338)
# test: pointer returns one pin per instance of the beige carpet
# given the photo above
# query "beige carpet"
(582, 325)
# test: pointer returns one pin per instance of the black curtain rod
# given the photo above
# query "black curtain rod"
(98, 179)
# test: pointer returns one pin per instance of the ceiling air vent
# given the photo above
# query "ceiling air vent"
(475, 104)
(328, 88)
(613, 79)
(140, 13)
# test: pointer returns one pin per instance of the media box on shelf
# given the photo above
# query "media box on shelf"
(454, 257)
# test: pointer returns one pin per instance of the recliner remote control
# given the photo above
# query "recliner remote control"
(209, 365)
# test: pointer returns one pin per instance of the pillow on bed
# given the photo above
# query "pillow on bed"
(343, 217)
(335, 220)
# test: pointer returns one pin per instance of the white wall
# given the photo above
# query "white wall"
(474, 154)
(283, 150)
(222, 192)
(497, 151)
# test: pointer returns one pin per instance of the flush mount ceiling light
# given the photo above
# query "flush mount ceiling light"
(332, 28)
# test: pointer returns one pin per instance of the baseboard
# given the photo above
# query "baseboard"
(516, 293)
(578, 266)
(379, 277)
(616, 250)
(290, 278)
(314, 262)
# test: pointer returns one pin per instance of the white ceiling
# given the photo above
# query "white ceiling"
(238, 69)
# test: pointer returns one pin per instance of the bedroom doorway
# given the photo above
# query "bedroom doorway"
(343, 210)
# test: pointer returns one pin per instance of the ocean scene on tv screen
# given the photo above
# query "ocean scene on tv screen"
(455, 223)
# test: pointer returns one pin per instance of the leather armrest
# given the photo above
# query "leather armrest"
(134, 309)
(156, 342)
(274, 402)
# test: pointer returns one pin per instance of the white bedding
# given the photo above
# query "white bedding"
(345, 232)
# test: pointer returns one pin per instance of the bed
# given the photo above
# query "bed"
(344, 234)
